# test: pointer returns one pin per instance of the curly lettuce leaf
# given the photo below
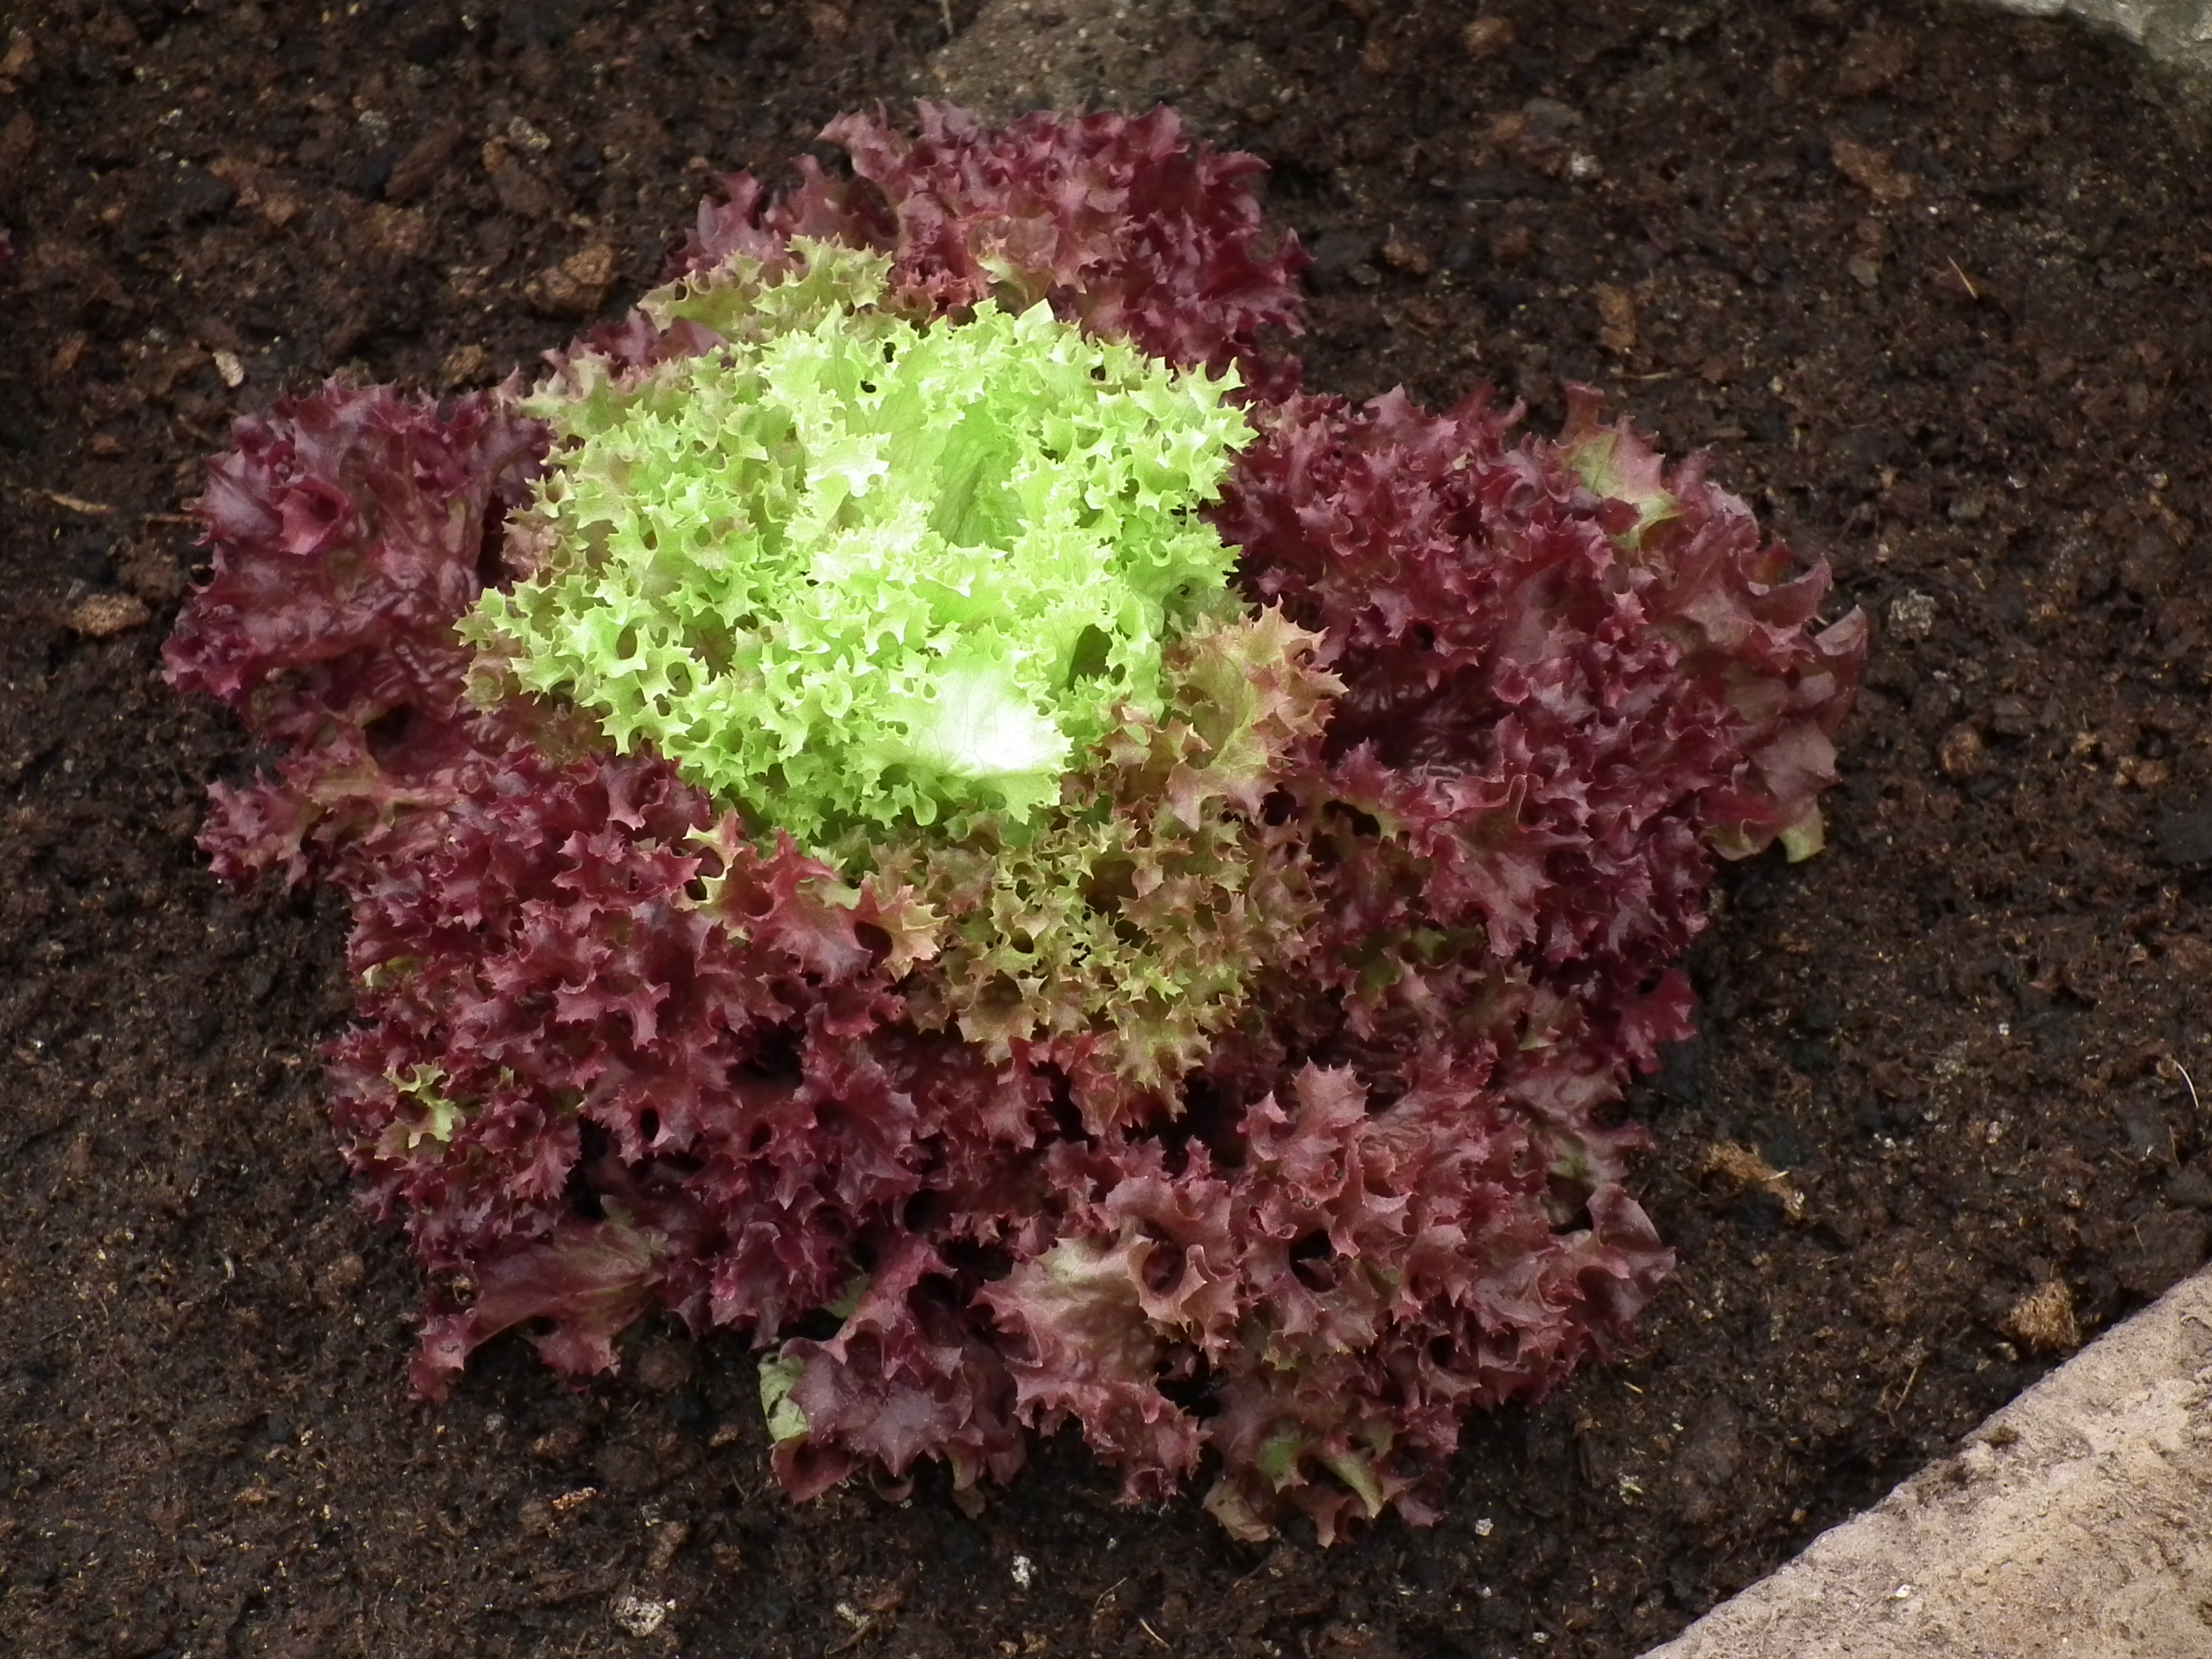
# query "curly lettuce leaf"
(842, 570)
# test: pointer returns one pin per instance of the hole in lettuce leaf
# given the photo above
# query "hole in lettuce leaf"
(1163, 1265)
(580, 1193)
(875, 940)
(388, 731)
(1312, 1259)
(1350, 817)
(491, 570)
(1111, 883)
(1089, 658)
(775, 1059)
(1191, 1390)
(1001, 996)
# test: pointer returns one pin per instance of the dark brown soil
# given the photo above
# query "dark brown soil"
(1927, 283)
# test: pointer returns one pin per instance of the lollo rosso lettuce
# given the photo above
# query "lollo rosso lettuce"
(915, 800)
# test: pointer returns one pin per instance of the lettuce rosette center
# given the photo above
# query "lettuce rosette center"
(844, 570)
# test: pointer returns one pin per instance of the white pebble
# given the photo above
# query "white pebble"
(1912, 616)
(638, 1615)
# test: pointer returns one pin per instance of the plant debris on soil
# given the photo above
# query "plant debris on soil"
(1926, 282)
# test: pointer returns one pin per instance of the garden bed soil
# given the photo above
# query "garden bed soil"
(1927, 284)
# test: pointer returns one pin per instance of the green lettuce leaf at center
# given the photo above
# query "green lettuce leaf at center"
(845, 571)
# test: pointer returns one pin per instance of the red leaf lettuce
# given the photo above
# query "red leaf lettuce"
(1255, 1102)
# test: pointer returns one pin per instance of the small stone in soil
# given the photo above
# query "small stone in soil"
(1961, 756)
(578, 286)
(103, 615)
(1912, 616)
(639, 1616)
(1485, 37)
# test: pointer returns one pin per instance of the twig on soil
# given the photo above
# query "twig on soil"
(1150, 1632)
(92, 509)
(1912, 1376)
(76, 503)
(2188, 1082)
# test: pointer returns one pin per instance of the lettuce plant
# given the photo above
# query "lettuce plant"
(917, 801)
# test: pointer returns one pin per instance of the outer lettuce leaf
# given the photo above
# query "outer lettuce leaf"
(1352, 1286)
(906, 1375)
(1557, 702)
(347, 530)
(1117, 222)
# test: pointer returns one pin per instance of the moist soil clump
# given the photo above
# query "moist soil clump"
(1926, 284)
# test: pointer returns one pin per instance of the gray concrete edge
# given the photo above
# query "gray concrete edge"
(2076, 1521)
(2175, 31)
